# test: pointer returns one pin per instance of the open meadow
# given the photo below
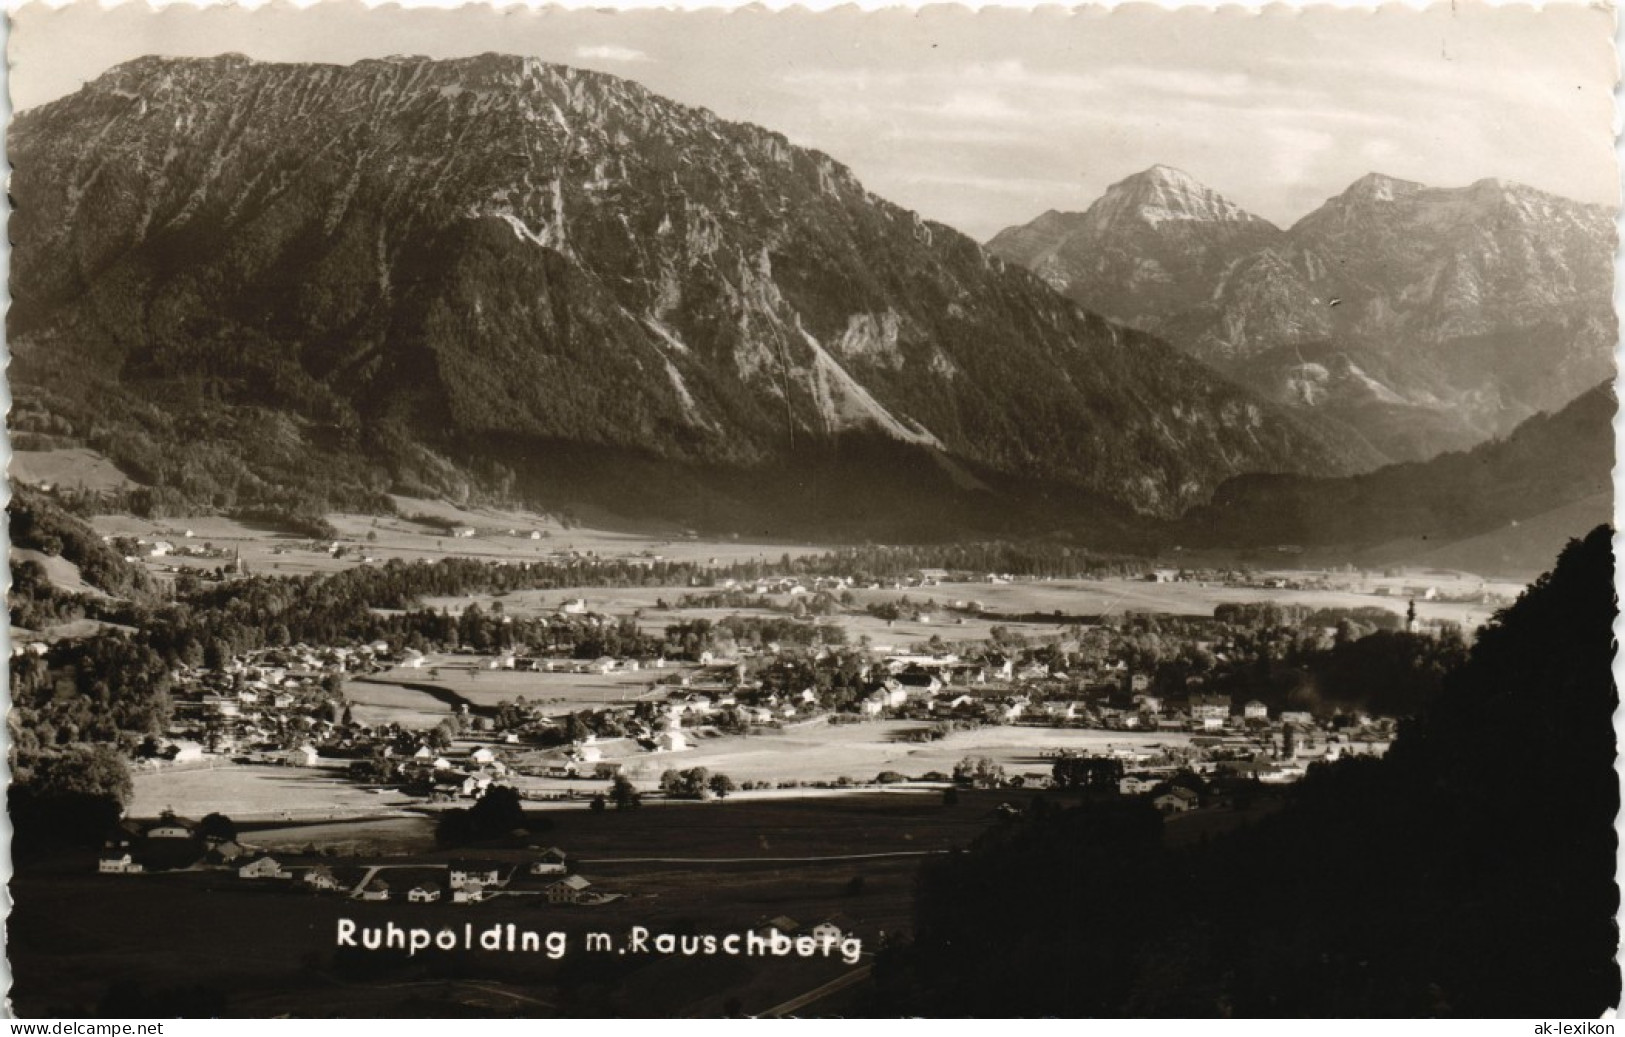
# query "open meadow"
(1035, 600)
(827, 752)
(375, 702)
(498, 536)
(1115, 596)
(818, 751)
(423, 530)
(74, 468)
(259, 791)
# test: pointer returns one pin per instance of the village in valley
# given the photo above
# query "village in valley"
(454, 720)
(437, 724)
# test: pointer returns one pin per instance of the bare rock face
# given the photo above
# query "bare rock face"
(1143, 249)
(1427, 319)
(400, 258)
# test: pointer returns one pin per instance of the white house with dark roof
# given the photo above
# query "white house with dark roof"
(568, 890)
(263, 868)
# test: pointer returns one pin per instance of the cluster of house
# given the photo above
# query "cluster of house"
(448, 775)
(275, 700)
(1271, 755)
(989, 688)
(472, 882)
(995, 690)
(279, 703)
(138, 548)
(171, 843)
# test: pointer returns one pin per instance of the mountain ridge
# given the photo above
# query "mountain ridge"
(1558, 463)
(1481, 305)
(391, 264)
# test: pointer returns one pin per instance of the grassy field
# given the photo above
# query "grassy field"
(256, 791)
(375, 703)
(74, 468)
(504, 535)
(269, 950)
(61, 572)
(1115, 596)
(364, 837)
(385, 537)
(563, 692)
(861, 751)
(823, 752)
(1066, 597)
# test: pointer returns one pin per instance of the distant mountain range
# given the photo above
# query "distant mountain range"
(281, 290)
(1502, 507)
(238, 278)
(1421, 319)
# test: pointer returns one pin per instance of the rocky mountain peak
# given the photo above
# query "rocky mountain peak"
(1161, 194)
(495, 257)
(1379, 187)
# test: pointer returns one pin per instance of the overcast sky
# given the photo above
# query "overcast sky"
(986, 120)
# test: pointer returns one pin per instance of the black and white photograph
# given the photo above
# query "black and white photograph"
(920, 512)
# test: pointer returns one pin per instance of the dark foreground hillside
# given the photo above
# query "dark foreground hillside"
(1468, 874)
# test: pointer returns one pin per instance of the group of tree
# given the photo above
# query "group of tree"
(498, 812)
(696, 783)
(979, 771)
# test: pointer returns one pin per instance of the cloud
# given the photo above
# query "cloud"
(954, 135)
(610, 52)
(990, 184)
(1296, 152)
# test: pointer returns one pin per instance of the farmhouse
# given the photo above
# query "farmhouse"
(121, 864)
(263, 868)
(568, 890)
(1061, 710)
(485, 873)
(304, 756)
(915, 683)
(172, 827)
(1176, 800)
(1136, 784)
(550, 861)
(425, 893)
(320, 877)
(377, 889)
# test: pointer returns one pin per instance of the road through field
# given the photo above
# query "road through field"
(763, 860)
(796, 1004)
